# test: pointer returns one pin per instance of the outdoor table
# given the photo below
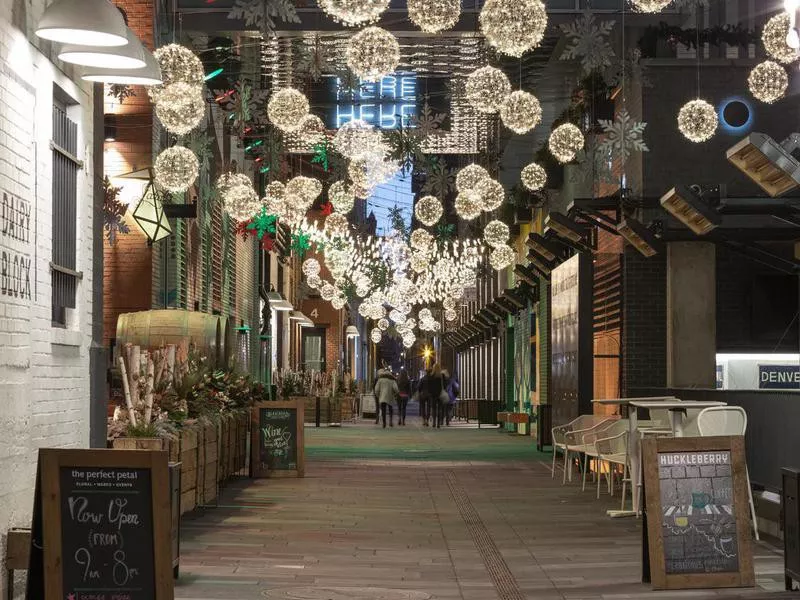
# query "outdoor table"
(634, 451)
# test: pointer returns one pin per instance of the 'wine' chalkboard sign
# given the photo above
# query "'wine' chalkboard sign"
(102, 525)
(697, 512)
(278, 446)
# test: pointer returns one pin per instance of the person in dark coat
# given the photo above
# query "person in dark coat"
(434, 386)
(404, 387)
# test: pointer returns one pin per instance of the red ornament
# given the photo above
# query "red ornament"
(268, 243)
(326, 209)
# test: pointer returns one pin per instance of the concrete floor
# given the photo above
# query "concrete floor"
(415, 514)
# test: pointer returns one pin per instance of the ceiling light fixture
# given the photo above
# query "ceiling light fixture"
(640, 237)
(129, 56)
(565, 227)
(95, 23)
(150, 74)
(691, 210)
(543, 246)
(774, 167)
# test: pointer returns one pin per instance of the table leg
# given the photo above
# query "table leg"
(635, 458)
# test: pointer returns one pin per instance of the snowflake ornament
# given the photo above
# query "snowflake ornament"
(428, 122)
(588, 41)
(623, 135)
(263, 14)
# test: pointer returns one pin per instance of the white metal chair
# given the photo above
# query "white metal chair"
(589, 444)
(614, 451)
(727, 420)
(575, 429)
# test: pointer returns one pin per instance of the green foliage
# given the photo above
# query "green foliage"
(398, 221)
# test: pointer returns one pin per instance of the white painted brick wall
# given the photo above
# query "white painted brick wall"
(44, 371)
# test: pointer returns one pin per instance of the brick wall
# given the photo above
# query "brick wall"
(44, 371)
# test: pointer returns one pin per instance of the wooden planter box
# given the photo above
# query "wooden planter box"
(124, 443)
(209, 456)
(188, 460)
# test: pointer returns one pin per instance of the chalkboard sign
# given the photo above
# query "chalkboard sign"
(102, 526)
(697, 512)
(278, 441)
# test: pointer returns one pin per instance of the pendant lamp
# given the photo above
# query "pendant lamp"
(149, 75)
(85, 22)
(131, 56)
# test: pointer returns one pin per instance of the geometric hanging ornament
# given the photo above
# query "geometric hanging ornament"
(149, 215)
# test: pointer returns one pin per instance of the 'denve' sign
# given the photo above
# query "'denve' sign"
(779, 377)
(278, 447)
(101, 527)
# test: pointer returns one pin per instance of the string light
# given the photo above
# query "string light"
(287, 108)
(176, 169)
(336, 225)
(428, 210)
(433, 16)
(768, 81)
(774, 38)
(565, 142)
(469, 177)
(486, 89)
(521, 112)
(372, 53)
(311, 267)
(468, 205)
(496, 233)
(341, 197)
(697, 121)
(534, 177)
(354, 12)
(180, 107)
(502, 257)
(513, 26)
(491, 194)
(650, 6)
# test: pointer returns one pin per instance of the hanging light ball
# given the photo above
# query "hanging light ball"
(450, 315)
(468, 205)
(513, 26)
(433, 16)
(491, 194)
(341, 197)
(307, 189)
(650, 6)
(521, 112)
(180, 107)
(312, 130)
(383, 324)
(357, 138)
(428, 210)
(376, 335)
(565, 142)
(469, 177)
(496, 233)
(287, 108)
(420, 262)
(354, 12)
(697, 121)
(176, 169)
(227, 181)
(241, 201)
(274, 195)
(486, 89)
(774, 38)
(372, 53)
(768, 81)
(336, 225)
(311, 267)
(338, 302)
(534, 177)
(328, 292)
(449, 303)
(177, 64)
(502, 257)
(314, 281)
(421, 240)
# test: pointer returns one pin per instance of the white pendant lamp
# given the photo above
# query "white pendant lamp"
(86, 22)
(150, 75)
(130, 56)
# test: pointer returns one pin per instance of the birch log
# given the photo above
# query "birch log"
(127, 390)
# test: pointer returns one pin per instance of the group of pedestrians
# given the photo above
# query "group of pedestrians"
(436, 391)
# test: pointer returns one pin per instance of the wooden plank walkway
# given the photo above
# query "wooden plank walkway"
(415, 514)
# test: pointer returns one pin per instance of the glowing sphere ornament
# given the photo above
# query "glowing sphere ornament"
(496, 233)
(176, 169)
(469, 177)
(328, 292)
(513, 26)
(336, 225)
(180, 107)
(287, 108)
(241, 202)
(486, 89)
(433, 16)
(177, 64)
(357, 138)
(354, 12)
(565, 142)
(311, 267)
(341, 197)
(501, 257)
(534, 177)
(274, 195)
(469, 205)
(768, 81)
(420, 262)
(774, 38)
(421, 240)
(449, 303)
(428, 210)
(409, 339)
(338, 302)
(697, 121)
(314, 281)
(450, 314)
(372, 53)
(650, 6)
(307, 189)
(383, 324)
(376, 335)
(312, 130)
(521, 112)
(491, 194)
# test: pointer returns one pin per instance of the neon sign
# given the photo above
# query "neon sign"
(385, 104)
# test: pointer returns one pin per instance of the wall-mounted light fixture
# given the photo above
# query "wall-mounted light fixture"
(565, 227)
(774, 167)
(548, 249)
(691, 210)
(526, 274)
(638, 236)
(277, 302)
(110, 127)
(149, 215)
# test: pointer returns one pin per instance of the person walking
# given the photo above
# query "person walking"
(434, 387)
(423, 399)
(404, 387)
(453, 390)
(386, 393)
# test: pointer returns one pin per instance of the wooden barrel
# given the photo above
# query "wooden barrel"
(156, 328)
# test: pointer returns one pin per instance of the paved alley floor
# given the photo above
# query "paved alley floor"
(419, 514)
